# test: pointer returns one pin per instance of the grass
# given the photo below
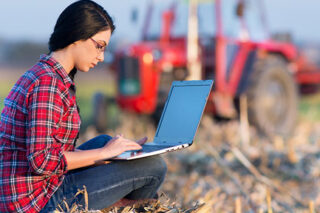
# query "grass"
(5, 87)
(309, 108)
(85, 92)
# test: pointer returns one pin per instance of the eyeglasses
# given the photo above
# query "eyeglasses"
(99, 47)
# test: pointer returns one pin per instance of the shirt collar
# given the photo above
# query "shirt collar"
(58, 68)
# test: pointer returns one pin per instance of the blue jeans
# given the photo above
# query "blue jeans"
(108, 183)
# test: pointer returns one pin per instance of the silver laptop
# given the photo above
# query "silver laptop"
(179, 121)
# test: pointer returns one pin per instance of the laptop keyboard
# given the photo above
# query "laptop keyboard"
(152, 148)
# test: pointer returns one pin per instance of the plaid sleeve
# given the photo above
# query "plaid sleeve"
(45, 110)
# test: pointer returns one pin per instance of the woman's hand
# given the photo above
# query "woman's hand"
(116, 146)
(119, 144)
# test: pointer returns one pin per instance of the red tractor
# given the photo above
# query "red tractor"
(234, 49)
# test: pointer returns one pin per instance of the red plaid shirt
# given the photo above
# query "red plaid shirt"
(39, 121)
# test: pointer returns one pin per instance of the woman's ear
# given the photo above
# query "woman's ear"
(76, 43)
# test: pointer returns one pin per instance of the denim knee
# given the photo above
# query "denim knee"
(159, 167)
(153, 172)
(104, 137)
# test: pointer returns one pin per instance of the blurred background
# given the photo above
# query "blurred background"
(262, 122)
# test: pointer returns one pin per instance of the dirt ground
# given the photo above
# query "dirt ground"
(231, 168)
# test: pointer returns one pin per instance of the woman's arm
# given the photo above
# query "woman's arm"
(45, 108)
(114, 147)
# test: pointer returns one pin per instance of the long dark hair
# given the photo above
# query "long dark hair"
(79, 21)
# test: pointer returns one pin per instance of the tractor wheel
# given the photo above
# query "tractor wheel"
(100, 112)
(272, 97)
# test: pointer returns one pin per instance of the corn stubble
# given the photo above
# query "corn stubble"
(226, 172)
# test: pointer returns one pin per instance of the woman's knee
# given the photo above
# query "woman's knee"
(161, 163)
(104, 137)
(158, 166)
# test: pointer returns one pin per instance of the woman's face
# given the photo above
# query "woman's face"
(87, 53)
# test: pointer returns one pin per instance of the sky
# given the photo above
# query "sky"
(34, 19)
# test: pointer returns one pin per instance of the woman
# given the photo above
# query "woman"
(40, 169)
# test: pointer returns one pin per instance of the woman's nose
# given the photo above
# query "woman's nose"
(101, 57)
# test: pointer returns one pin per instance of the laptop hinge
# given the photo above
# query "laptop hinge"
(170, 142)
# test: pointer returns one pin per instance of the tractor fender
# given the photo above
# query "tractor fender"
(247, 71)
(249, 68)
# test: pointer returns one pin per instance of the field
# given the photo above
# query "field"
(99, 80)
(230, 168)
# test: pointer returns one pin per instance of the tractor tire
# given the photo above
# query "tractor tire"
(100, 112)
(272, 97)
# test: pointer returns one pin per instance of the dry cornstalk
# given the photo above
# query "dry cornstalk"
(311, 207)
(86, 199)
(292, 155)
(244, 123)
(66, 205)
(263, 179)
(278, 143)
(205, 208)
(73, 208)
(59, 208)
(238, 154)
(229, 173)
(238, 205)
(269, 201)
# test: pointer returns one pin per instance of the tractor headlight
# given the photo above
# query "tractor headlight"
(147, 58)
(150, 57)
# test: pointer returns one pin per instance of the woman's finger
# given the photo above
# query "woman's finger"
(142, 140)
(133, 144)
(119, 135)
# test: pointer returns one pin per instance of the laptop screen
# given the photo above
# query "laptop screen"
(182, 112)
